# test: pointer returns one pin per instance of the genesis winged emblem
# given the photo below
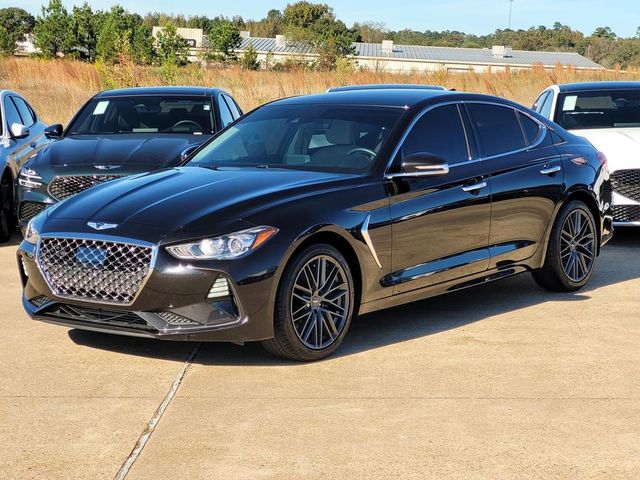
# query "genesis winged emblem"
(102, 225)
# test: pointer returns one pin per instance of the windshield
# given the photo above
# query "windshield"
(335, 138)
(144, 114)
(599, 109)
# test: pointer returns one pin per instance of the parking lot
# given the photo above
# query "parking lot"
(504, 381)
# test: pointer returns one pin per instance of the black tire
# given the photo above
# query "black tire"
(570, 259)
(289, 340)
(7, 219)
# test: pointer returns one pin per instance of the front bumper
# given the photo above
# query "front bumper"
(171, 305)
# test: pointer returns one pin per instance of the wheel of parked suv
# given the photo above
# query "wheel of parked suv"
(314, 305)
(571, 254)
(6, 209)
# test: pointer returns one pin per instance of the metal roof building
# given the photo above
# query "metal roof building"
(405, 58)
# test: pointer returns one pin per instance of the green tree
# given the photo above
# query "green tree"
(85, 27)
(7, 45)
(52, 29)
(171, 47)
(316, 25)
(15, 24)
(249, 60)
(124, 35)
(603, 32)
(224, 37)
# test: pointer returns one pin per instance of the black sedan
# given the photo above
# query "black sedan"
(119, 133)
(310, 210)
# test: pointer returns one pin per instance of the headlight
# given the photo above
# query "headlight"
(31, 234)
(224, 247)
(29, 178)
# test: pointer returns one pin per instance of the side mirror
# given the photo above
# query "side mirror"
(422, 164)
(19, 131)
(186, 153)
(53, 131)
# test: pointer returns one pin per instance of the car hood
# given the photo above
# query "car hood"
(181, 197)
(153, 151)
(620, 145)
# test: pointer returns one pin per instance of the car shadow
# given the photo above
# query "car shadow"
(618, 263)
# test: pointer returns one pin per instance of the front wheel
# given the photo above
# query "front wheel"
(314, 305)
(572, 249)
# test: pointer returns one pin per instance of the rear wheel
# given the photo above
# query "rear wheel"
(314, 305)
(571, 254)
(7, 220)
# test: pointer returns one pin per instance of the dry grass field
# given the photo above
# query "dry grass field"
(58, 88)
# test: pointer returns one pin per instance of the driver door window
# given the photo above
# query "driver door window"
(225, 114)
(441, 132)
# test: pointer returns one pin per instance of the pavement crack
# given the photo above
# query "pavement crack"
(157, 416)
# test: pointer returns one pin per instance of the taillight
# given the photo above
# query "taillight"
(602, 158)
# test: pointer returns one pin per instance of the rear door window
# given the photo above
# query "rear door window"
(531, 128)
(498, 127)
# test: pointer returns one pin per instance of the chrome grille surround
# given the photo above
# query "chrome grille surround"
(62, 187)
(627, 183)
(100, 270)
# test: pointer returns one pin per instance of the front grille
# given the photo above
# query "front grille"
(67, 186)
(96, 315)
(627, 183)
(94, 270)
(626, 213)
(28, 210)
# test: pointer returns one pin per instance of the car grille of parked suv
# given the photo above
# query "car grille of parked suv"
(28, 210)
(67, 186)
(626, 213)
(627, 183)
(94, 270)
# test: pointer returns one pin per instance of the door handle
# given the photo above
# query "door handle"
(475, 187)
(551, 170)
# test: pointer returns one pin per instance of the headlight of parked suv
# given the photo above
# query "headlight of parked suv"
(31, 234)
(29, 178)
(224, 247)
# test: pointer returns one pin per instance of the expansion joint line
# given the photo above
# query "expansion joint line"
(153, 422)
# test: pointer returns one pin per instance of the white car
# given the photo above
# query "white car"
(608, 115)
(21, 131)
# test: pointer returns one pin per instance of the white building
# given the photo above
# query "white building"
(194, 36)
(386, 56)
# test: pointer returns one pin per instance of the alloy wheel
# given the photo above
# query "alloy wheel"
(577, 246)
(320, 302)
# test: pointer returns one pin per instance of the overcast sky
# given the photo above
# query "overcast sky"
(471, 16)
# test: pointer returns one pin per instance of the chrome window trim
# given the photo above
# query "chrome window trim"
(539, 139)
(101, 238)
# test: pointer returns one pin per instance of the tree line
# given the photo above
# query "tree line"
(116, 35)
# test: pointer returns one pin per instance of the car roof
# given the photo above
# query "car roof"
(610, 85)
(404, 97)
(193, 91)
(384, 86)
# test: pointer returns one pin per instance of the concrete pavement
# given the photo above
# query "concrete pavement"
(501, 381)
